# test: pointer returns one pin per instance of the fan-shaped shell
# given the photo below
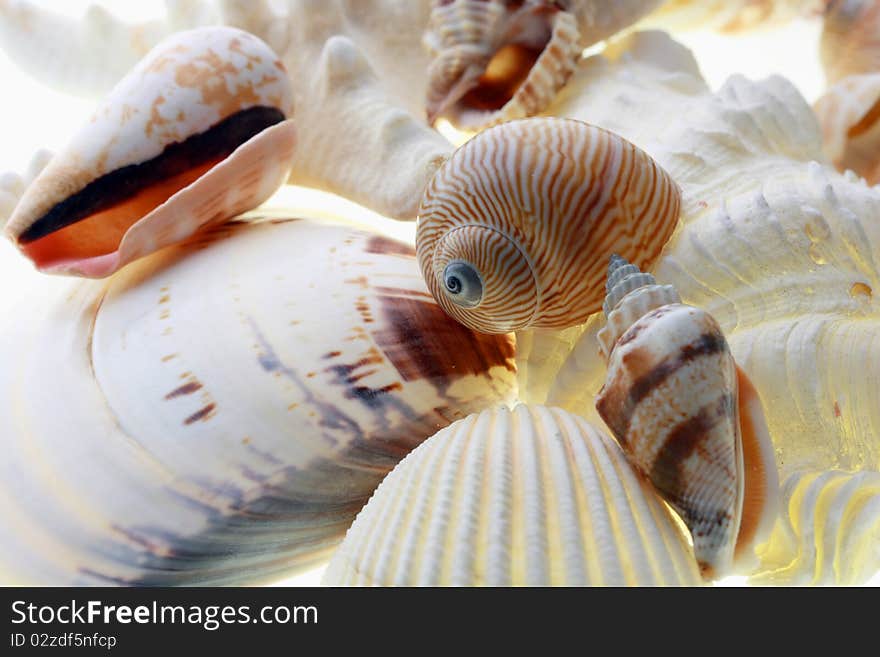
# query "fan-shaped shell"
(525, 215)
(529, 496)
(220, 411)
(196, 133)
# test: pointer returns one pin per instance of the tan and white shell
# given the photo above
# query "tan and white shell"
(531, 496)
(495, 61)
(197, 133)
(219, 412)
(513, 227)
(673, 399)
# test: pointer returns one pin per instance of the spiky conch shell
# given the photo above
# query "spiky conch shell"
(530, 496)
(219, 416)
(528, 210)
(198, 132)
(497, 61)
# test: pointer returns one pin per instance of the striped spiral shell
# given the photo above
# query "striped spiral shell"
(529, 496)
(493, 61)
(516, 227)
(686, 416)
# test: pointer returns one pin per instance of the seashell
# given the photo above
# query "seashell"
(850, 116)
(497, 61)
(268, 402)
(196, 133)
(531, 496)
(774, 243)
(730, 16)
(850, 43)
(503, 248)
(672, 400)
(828, 535)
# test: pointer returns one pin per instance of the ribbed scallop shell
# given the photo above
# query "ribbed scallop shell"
(534, 208)
(219, 412)
(196, 133)
(496, 61)
(533, 496)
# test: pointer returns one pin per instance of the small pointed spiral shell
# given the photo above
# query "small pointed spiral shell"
(671, 398)
(525, 215)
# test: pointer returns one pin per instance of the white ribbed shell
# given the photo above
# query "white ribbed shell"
(532, 496)
(537, 207)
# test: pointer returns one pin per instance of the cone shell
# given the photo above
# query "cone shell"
(530, 496)
(671, 400)
(225, 407)
(197, 133)
(529, 212)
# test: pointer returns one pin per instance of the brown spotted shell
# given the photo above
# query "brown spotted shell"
(515, 228)
(686, 416)
(198, 132)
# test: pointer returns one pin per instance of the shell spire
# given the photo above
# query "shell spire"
(672, 399)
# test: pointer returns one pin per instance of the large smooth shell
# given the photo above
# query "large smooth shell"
(220, 411)
(535, 208)
(198, 132)
(533, 496)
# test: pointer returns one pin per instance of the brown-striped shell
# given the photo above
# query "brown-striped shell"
(516, 228)
(687, 417)
(499, 60)
(198, 132)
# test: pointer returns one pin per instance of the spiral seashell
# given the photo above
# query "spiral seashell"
(685, 415)
(497, 60)
(850, 43)
(197, 133)
(513, 227)
(530, 496)
(225, 406)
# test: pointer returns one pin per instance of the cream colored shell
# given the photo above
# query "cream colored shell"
(531, 496)
(850, 43)
(528, 213)
(218, 89)
(213, 414)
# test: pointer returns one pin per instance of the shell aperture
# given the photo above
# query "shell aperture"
(532, 209)
(672, 399)
(198, 132)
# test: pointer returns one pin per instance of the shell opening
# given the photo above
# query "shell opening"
(463, 284)
(91, 222)
(510, 72)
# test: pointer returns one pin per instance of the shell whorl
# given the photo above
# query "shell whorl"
(536, 207)
(495, 62)
(630, 294)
